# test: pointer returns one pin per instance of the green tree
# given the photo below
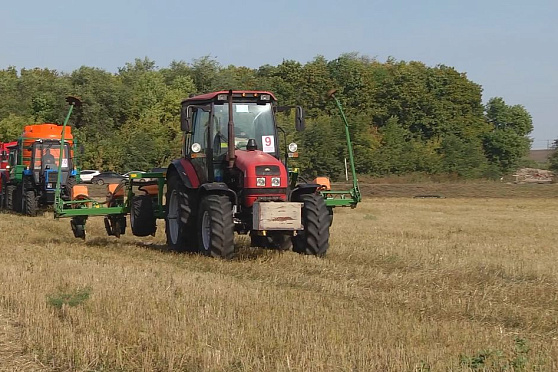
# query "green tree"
(320, 152)
(204, 72)
(395, 155)
(12, 126)
(463, 157)
(507, 143)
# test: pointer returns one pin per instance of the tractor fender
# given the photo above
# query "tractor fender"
(185, 170)
(217, 188)
(301, 189)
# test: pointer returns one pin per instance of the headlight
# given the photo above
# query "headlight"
(260, 181)
(275, 181)
(196, 147)
(293, 147)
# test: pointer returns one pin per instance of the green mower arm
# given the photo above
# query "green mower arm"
(348, 198)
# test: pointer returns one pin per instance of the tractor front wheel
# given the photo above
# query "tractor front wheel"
(18, 200)
(30, 203)
(314, 239)
(216, 227)
(10, 193)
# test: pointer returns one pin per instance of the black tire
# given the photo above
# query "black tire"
(216, 227)
(180, 227)
(30, 203)
(278, 241)
(18, 199)
(78, 228)
(100, 182)
(314, 239)
(10, 193)
(70, 183)
(142, 218)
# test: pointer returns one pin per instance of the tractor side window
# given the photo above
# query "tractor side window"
(201, 125)
(12, 157)
(37, 157)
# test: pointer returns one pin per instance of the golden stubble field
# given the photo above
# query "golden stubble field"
(408, 285)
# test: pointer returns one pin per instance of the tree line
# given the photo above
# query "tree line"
(405, 117)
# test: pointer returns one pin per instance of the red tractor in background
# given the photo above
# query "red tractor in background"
(4, 167)
(231, 179)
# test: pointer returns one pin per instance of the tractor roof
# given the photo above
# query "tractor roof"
(46, 131)
(240, 93)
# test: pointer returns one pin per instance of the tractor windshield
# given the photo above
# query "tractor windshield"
(46, 156)
(250, 121)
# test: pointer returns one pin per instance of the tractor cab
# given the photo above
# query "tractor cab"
(216, 128)
(45, 160)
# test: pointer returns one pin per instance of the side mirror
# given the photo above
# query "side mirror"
(4, 153)
(185, 121)
(299, 119)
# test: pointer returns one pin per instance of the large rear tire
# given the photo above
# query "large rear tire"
(142, 218)
(179, 221)
(216, 227)
(30, 203)
(314, 239)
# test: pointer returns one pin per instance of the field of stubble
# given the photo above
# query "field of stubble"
(408, 285)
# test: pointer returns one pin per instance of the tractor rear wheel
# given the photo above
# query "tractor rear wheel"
(179, 221)
(142, 218)
(30, 203)
(216, 227)
(314, 239)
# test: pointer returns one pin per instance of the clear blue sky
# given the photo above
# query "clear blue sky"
(510, 47)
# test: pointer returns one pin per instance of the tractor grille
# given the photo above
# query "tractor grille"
(52, 177)
(268, 170)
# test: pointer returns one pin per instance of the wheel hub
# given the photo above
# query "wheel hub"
(172, 217)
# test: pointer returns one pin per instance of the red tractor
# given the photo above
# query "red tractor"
(231, 179)
(4, 167)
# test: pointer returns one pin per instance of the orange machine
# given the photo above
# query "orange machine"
(43, 132)
(34, 166)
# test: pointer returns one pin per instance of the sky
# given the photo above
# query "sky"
(509, 47)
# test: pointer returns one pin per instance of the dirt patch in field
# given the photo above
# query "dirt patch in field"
(458, 190)
(12, 355)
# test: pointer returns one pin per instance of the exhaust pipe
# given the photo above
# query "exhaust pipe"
(231, 155)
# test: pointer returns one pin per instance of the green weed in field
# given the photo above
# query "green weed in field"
(72, 299)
